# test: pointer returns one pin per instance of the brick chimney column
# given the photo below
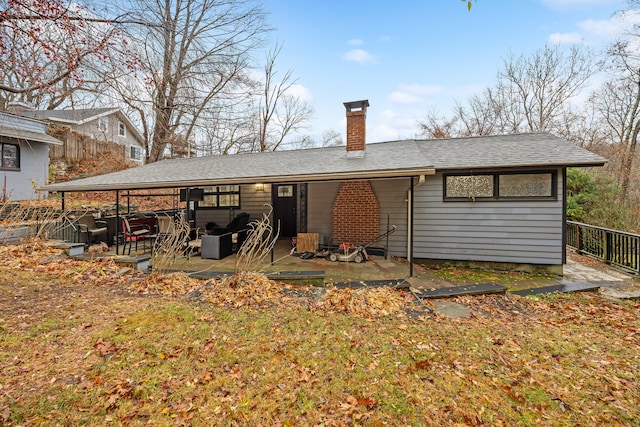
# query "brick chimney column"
(356, 125)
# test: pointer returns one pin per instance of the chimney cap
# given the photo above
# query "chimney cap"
(357, 105)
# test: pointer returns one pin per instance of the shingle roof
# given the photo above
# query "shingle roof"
(70, 116)
(522, 150)
(18, 127)
(387, 159)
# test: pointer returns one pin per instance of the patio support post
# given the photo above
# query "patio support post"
(62, 201)
(564, 216)
(411, 229)
(117, 219)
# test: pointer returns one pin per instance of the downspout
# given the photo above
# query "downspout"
(421, 180)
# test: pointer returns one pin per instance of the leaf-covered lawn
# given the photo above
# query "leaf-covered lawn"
(83, 344)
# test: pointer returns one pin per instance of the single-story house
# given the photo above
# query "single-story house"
(102, 124)
(24, 156)
(498, 199)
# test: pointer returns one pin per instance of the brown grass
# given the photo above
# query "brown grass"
(83, 344)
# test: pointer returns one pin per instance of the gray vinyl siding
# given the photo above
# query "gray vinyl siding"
(320, 197)
(392, 197)
(391, 194)
(251, 201)
(526, 231)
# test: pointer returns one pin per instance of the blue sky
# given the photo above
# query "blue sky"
(409, 58)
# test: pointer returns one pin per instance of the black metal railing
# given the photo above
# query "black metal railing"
(614, 247)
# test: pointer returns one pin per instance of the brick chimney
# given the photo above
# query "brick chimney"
(356, 124)
(355, 211)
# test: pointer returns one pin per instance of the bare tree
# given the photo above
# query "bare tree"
(531, 94)
(193, 52)
(618, 101)
(45, 47)
(541, 86)
(280, 112)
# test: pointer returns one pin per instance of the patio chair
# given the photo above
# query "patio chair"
(135, 233)
(88, 226)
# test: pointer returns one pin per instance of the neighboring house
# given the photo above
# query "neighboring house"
(498, 199)
(102, 124)
(24, 156)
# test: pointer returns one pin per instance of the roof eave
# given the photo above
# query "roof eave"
(243, 180)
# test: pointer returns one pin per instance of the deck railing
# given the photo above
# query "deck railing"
(614, 247)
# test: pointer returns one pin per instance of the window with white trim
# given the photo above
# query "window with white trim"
(103, 124)
(122, 129)
(136, 153)
(9, 156)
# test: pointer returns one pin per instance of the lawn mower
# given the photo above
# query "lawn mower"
(348, 252)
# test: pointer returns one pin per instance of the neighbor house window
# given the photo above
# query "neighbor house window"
(122, 130)
(500, 186)
(103, 124)
(136, 153)
(221, 196)
(10, 156)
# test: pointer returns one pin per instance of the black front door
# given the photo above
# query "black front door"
(284, 208)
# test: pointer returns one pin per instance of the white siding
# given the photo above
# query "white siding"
(34, 171)
(527, 231)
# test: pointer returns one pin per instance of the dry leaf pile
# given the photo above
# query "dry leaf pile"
(171, 284)
(41, 257)
(363, 302)
(243, 290)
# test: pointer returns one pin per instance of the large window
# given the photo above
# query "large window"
(500, 186)
(221, 196)
(9, 156)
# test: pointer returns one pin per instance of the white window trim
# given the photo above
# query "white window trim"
(122, 129)
(103, 120)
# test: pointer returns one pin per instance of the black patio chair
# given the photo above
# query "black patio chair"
(92, 229)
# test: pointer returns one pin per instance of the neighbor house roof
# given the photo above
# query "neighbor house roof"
(385, 159)
(24, 128)
(82, 116)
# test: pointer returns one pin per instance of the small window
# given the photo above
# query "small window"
(526, 185)
(221, 196)
(10, 156)
(469, 186)
(103, 124)
(136, 153)
(500, 186)
(285, 191)
(122, 129)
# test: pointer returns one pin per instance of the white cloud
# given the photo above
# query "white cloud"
(301, 92)
(358, 55)
(566, 38)
(355, 42)
(565, 4)
(413, 93)
(600, 31)
(404, 98)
